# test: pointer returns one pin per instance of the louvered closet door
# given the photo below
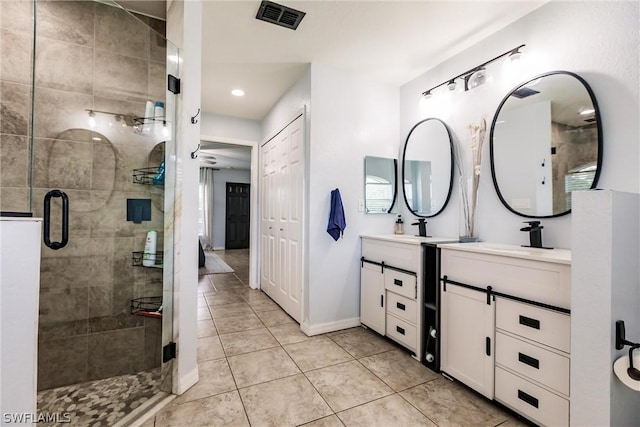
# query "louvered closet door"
(282, 184)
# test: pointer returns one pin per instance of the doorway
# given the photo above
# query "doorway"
(237, 216)
(222, 150)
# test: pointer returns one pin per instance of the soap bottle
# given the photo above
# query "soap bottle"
(399, 225)
(149, 256)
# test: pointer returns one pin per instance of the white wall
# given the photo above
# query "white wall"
(606, 284)
(295, 99)
(597, 40)
(352, 117)
(229, 127)
(220, 179)
(184, 29)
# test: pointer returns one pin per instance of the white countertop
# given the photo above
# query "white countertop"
(558, 256)
(19, 218)
(408, 238)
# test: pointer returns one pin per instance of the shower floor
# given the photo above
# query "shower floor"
(98, 403)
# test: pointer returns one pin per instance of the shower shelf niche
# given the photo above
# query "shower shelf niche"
(147, 307)
(147, 176)
(138, 257)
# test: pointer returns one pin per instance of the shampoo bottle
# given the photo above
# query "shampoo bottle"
(148, 116)
(158, 118)
(149, 257)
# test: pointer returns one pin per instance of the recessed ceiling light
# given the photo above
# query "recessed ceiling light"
(237, 92)
(587, 111)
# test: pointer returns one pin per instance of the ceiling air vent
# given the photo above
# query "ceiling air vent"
(279, 15)
(524, 92)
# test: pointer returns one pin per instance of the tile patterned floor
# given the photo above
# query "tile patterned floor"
(258, 369)
(98, 403)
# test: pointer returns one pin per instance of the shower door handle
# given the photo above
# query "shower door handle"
(47, 219)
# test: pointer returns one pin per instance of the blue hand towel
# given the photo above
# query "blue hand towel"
(337, 222)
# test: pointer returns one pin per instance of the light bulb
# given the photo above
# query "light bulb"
(478, 78)
(92, 119)
(515, 55)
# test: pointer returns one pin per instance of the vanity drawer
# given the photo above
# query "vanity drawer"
(402, 307)
(400, 283)
(538, 324)
(543, 366)
(402, 331)
(534, 402)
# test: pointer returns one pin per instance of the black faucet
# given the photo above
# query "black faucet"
(422, 227)
(535, 233)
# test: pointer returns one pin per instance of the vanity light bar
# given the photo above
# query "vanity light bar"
(513, 53)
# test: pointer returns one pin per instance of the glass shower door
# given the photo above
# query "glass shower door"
(102, 135)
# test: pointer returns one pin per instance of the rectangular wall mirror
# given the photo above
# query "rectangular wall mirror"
(380, 184)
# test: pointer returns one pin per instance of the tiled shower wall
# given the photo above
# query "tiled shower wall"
(88, 56)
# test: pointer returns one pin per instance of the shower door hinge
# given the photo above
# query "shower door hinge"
(168, 352)
(173, 84)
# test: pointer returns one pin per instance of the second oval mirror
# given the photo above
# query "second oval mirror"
(546, 141)
(427, 168)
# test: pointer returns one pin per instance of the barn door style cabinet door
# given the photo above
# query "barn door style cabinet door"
(467, 326)
(281, 221)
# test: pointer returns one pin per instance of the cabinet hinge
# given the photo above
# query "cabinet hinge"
(169, 352)
(173, 84)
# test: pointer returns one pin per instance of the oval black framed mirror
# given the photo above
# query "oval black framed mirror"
(545, 142)
(427, 168)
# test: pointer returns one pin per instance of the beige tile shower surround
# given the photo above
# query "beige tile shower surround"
(268, 373)
(88, 56)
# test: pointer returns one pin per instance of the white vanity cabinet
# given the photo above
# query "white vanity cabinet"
(392, 300)
(391, 269)
(505, 328)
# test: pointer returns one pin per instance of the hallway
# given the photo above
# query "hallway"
(257, 368)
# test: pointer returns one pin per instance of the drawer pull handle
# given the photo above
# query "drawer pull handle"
(381, 300)
(487, 346)
(529, 322)
(527, 398)
(528, 360)
(401, 306)
(400, 330)
(397, 282)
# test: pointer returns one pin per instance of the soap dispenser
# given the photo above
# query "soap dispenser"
(399, 225)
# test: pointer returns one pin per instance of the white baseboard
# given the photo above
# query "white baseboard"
(185, 382)
(221, 248)
(323, 328)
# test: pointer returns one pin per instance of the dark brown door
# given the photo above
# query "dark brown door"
(237, 226)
